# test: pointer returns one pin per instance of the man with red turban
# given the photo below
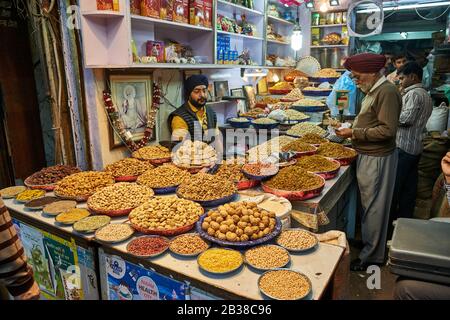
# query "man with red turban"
(373, 136)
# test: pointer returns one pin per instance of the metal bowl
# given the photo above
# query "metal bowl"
(188, 255)
(298, 250)
(245, 244)
(266, 269)
(220, 273)
(279, 269)
(152, 255)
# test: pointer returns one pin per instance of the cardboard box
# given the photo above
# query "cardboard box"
(150, 8)
(156, 49)
(207, 8)
(181, 11)
(197, 15)
(166, 10)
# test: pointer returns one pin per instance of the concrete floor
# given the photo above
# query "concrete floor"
(359, 289)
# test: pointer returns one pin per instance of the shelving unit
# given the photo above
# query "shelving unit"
(108, 35)
(276, 19)
(238, 9)
(329, 56)
(280, 26)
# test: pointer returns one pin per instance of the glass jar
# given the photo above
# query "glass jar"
(330, 18)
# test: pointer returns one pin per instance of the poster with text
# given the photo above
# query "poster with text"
(127, 281)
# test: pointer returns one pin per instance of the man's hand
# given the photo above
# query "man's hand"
(445, 163)
(344, 133)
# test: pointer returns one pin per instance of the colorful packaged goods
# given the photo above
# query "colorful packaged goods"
(181, 11)
(150, 8)
(166, 10)
(105, 5)
(135, 7)
(207, 8)
(196, 13)
(156, 49)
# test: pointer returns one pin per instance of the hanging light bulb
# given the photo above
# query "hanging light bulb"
(323, 7)
(297, 38)
(310, 4)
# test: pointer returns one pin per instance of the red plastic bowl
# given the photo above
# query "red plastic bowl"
(328, 175)
(247, 184)
(305, 153)
(348, 160)
(126, 178)
(111, 213)
(296, 195)
(158, 162)
(168, 233)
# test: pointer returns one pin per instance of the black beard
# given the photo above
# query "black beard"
(196, 104)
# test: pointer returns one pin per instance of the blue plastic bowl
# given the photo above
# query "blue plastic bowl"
(166, 190)
(237, 124)
(238, 245)
(267, 126)
(214, 203)
(321, 93)
(321, 80)
(309, 108)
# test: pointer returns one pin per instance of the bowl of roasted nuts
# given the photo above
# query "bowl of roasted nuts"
(166, 216)
(189, 245)
(207, 190)
(164, 179)
(239, 224)
(300, 149)
(267, 257)
(156, 155)
(259, 170)
(119, 199)
(128, 170)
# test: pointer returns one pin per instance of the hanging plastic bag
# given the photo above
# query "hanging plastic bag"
(343, 83)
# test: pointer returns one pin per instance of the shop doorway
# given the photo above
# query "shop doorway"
(22, 148)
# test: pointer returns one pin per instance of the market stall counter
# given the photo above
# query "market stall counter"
(123, 276)
(64, 262)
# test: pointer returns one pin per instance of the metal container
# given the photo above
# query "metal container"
(325, 57)
(336, 55)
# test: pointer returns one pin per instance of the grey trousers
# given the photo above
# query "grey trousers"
(409, 289)
(376, 181)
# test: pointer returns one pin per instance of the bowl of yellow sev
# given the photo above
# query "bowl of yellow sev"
(220, 260)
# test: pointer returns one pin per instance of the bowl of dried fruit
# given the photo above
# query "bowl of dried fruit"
(188, 245)
(295, 184)
(259, 171)
(327, 168)
(300, 149)
(47, 178)
(344, 155)
(239, 224)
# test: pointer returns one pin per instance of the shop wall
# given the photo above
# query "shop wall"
(171, 82)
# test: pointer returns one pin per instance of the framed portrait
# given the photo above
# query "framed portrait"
(238, 92)
(211, 96)
(132, 96)
(221, 89)
(251, 96)
(263, 88)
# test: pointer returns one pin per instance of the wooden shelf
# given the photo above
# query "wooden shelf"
(280, 20)
(238, 35)
(213, 103)
(330, 46)
(103, 14)
(167, 24)
(192, 66)
(330, 25)
(278, 42)
(241, 8)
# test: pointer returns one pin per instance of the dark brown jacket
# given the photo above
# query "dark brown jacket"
(375, 128)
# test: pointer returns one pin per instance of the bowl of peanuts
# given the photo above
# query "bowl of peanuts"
(189, 245)
(297, 240)
(284, 284)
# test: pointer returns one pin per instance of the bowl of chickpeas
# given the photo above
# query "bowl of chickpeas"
(239, 224)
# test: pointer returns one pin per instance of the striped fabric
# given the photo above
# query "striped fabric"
(15, 273)
(417, 108)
